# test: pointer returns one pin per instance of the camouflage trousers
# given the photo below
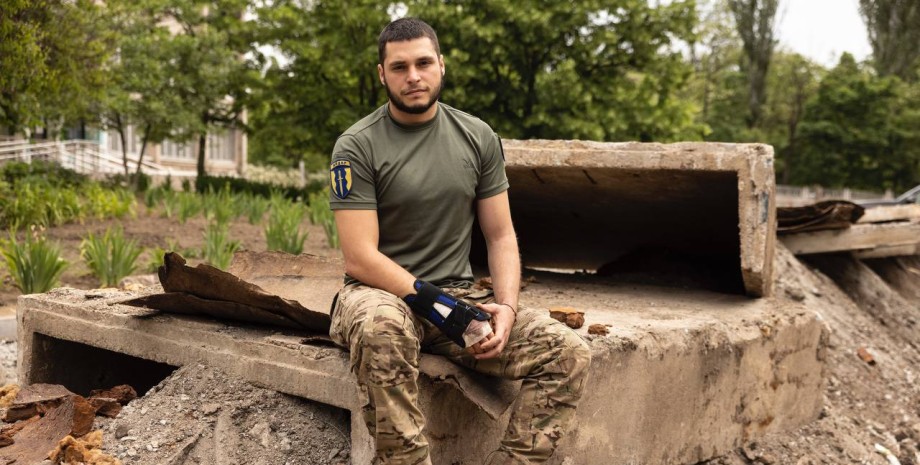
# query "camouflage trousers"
(384, 338)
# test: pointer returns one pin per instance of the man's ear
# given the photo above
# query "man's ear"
(383, 80)
(441, 60)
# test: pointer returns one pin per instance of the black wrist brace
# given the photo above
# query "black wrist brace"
(450, 314)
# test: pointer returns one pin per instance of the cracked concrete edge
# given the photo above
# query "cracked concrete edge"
(753, 164)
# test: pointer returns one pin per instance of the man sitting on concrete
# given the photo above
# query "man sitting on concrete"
(407, 181)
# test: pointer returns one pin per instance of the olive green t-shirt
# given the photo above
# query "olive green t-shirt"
(423, 181)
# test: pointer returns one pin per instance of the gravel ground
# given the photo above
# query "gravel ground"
(8, 355)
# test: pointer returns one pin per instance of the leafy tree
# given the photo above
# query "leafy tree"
(143, 91)
(793, 80)
(207, 47)
(52, 62)
(321, 79)
(860, 131)
(596, 69)
(754, 20)
(718, 85)
(894, 33)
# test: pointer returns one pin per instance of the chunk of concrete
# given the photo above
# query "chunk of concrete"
(682, 376)
(581, 205)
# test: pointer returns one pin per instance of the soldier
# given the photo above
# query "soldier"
(407, 181)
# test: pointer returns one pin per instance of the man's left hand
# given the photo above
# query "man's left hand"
(502, 320)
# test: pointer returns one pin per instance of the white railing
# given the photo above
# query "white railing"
(793, 196)
(85, 157)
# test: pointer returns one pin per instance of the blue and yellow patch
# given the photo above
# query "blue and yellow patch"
(340, 174)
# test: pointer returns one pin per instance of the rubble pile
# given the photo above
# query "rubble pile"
(201, 415)
(871, 411)
(47, 421)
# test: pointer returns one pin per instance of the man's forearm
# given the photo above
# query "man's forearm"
(505, 267)
(377, 270)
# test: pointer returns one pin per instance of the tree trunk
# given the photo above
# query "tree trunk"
(202, 141)
(140, 158)
(120, 127)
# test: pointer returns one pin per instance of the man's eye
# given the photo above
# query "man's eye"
(398, 68)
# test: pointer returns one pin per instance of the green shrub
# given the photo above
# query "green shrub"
(44, 171)
(172, 245)
(321, 213)
(35, 264)
(156, 259)
(189, 206)
(218, 248)
(283, 229)
(170, 204)
(219, 206)
(111, 256)
(262, 189)
(254, 207)
(107, 203)
(153, 197)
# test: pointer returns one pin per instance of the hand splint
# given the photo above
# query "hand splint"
(460, 321)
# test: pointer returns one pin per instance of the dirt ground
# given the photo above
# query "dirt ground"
(872, 402)
(150, 229)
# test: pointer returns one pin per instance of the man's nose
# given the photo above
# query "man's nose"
(413, 74)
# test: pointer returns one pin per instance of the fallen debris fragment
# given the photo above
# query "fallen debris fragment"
(573, 318)
(892, 459)
(6, 435)
(7, 394)
(208, 290)
(121, 393)
(864, 354)
(598, 329)
(38, 438)
(36, 399)
(86, 450)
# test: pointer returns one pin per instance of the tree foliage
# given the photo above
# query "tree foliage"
(319, 61)
(600, 69)
(597, 69)
(894, 33)
(53, 55)
(860, 131)
(755, 21)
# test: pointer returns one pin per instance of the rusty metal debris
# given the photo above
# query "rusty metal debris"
(830, 214)
(210, 291)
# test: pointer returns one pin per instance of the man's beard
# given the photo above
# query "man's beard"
(417, 109)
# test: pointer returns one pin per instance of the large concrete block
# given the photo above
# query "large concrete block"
(581, 205)
(682, 376)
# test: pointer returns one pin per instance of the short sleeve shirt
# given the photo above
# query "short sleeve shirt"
(423, 182)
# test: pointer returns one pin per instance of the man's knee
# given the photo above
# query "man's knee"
(576, 358)
(389, 348)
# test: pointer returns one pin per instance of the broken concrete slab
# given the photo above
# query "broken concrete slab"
(874, 240)
(580, 205)
(681, 377)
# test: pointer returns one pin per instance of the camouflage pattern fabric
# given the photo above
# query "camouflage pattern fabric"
(384, 338)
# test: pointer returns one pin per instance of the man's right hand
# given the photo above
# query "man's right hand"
(502, 320)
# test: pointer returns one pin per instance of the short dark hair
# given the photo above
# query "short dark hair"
(405, 29)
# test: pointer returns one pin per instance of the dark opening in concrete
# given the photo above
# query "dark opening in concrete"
(665, 227)
(82, 368)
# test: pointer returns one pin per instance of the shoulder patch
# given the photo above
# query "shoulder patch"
(340, 176)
